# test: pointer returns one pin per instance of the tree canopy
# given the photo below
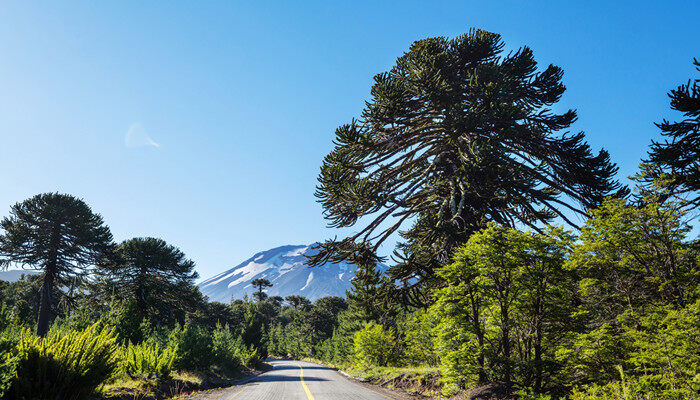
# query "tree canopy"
(156, 276)
(57, 233)
(676, 160)
(455, 135)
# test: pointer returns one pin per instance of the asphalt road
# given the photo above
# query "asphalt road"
(297, 380)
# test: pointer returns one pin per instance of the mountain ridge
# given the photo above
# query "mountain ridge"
(284, 266)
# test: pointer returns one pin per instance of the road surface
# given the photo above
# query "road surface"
(297, 380)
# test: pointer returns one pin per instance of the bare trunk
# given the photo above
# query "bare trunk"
(42, 323)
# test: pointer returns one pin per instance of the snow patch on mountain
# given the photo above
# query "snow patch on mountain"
(285, 268)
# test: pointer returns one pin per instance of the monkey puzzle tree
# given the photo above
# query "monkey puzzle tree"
(676, 161)
(455, 135)
(260, 284)
(157, 277)
(58, 234)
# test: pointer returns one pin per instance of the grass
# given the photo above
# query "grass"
(422, 380)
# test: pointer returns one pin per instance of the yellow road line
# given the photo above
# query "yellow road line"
(238, 392)
(306, 388)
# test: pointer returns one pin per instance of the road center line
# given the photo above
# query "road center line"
(306, 388)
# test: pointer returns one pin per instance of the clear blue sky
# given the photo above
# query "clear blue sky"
(232, 105)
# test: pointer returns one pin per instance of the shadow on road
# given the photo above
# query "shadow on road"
(285, 378)
(293, 365)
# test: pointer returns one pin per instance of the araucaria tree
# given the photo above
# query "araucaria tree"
(58, 234)
(676, 161)
(154, 275)
(455, 135)
(260, 284)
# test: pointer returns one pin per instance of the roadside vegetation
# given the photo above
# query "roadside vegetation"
(524, 269)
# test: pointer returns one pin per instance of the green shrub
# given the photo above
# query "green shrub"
(630, 388)
(8, 363)
(253, 358)
(374, 345)
(227, 348)
(63, 365)
(194, 348)
(147, 361)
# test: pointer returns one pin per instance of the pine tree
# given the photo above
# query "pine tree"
(455, 135)
(676, 161)
(58, 234)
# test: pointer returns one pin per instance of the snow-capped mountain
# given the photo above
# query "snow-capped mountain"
(284, 267)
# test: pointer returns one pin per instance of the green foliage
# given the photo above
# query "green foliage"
(374, 345)
(147, 361)
(125, 320)
(154, 278)
(631, 388)
(63, 365)
(637, 273)
(8, 362)
(674, 162)
(58, 234)
(253, 358)
(194, 347)
(506, 300)
(419, 342)
(665, 347)
(455, 135)
(228, 349)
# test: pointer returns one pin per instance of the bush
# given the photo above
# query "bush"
(227, 349)
(253, 358)
(194, 347)
(632, 388)
(63, 365)
(147, 361)
(375, 346)
(8, 363)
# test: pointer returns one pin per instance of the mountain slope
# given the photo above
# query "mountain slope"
(13, 275)
(284, 267)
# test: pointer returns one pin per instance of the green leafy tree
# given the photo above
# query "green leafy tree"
(504, 307)
(157, 277)
(455, 135)
(58, 234)
(374, 345)
(260, 284)
(635, 265)
(676, 161)
(544, 305)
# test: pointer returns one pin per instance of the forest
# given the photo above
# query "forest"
(525, 268)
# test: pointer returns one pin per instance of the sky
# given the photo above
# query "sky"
(205, 123)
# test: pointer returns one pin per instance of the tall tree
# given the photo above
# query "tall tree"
(456, 134)
(260, 284)
(60, 235)
(156, 276)
(298, 302)
(676, 161)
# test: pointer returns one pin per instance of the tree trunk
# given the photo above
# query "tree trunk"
(50, 271)
(538, 356)
(505, 330)
(480, 337)
(42, 323)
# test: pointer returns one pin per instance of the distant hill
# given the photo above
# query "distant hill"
(284, 267)
(15, 274)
